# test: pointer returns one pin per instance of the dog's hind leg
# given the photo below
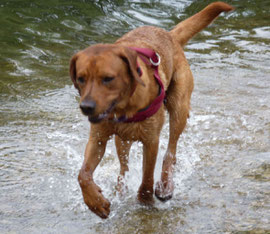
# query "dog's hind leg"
(178, 105)
(145, 192)
(122, 148)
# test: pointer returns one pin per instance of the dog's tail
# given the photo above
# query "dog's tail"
(189, 27)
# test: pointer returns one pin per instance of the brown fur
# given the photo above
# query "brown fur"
(107, 80)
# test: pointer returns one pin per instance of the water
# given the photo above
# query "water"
(222, 182)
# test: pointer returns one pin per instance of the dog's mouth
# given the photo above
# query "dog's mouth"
(102, 116)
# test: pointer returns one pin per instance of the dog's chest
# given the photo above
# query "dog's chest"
(134, 131)
(130, 131)
(141, 131)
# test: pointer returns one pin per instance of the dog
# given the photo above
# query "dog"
(125, 88)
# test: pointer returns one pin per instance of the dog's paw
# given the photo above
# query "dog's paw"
(121, 187)
(145, 197)
(95, 201)
(164, 192)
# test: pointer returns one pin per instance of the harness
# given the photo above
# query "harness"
(151, 58)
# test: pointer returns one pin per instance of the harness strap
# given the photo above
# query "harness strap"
(152, 58)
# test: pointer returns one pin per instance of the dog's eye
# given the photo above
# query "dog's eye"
(107, 79)
(81, 80)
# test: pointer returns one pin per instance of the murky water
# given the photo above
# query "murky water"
(223, 169)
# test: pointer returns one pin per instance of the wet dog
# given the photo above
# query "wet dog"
(125, 89)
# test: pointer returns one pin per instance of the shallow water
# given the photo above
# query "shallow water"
(222, 181)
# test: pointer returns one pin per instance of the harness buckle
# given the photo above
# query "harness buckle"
(155, 63)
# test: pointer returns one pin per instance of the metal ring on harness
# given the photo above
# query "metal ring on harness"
(155, 63)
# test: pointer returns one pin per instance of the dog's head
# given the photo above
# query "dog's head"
(105, 76)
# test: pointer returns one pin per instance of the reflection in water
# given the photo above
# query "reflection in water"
(222, 174)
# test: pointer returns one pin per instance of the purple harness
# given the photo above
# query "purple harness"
(149, 57)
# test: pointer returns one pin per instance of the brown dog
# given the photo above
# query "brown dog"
(122, 91)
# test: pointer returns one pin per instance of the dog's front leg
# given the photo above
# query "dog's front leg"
(92, 193)
(145, 193)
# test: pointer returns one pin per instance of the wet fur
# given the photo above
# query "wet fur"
(132, 93)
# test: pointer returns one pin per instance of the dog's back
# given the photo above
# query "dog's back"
(169, 43)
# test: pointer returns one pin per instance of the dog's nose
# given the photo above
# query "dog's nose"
(88, 107)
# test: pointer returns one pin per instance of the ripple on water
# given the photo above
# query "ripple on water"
(38, 54)
(20, 69)
(262, 32)
(72, 24)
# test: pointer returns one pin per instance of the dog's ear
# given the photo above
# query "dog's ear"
(130, 58)
(72, 70)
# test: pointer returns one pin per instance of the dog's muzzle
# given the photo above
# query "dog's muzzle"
(98, 118)
(88, 107)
